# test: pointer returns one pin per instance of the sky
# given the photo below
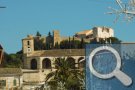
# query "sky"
(23, 17)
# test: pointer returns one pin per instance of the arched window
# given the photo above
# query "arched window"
(46, 63)
(71, 62)
(81, 62)
(28, 42)
(33, 64)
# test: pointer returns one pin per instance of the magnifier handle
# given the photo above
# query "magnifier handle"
(125, 79)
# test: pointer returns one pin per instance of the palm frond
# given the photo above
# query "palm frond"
(50, 75)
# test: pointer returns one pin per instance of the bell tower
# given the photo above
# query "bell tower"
(28, 44)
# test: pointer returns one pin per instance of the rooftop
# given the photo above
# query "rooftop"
(10, 71)
(60, 52)
(84, 32)
(28, 37)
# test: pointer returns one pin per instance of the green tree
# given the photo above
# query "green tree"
(39, 44)
(64, 44)
(64, 78)
(73, 43)
(49, 34)
(38, 34)
(56, 46)
(12, 60)
(82, 44)
(112, 40)
(69, 43)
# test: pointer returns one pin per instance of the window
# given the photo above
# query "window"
(29, 50)
(28, 42)
(2, 83)
(14, 82)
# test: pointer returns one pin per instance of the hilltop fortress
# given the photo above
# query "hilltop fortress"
(56, 38)
(38, 63)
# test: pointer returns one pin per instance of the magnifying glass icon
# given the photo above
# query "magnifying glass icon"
(121, 76)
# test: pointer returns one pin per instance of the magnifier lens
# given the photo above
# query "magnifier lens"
(104, 62)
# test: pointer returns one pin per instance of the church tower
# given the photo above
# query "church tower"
(28, 44)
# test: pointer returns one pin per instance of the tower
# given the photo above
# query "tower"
(56, 37)
(28, 44)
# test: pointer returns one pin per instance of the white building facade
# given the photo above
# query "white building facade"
(103, 32)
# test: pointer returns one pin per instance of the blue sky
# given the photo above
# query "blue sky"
(23, 17)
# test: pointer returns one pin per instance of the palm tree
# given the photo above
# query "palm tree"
(64, 77)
